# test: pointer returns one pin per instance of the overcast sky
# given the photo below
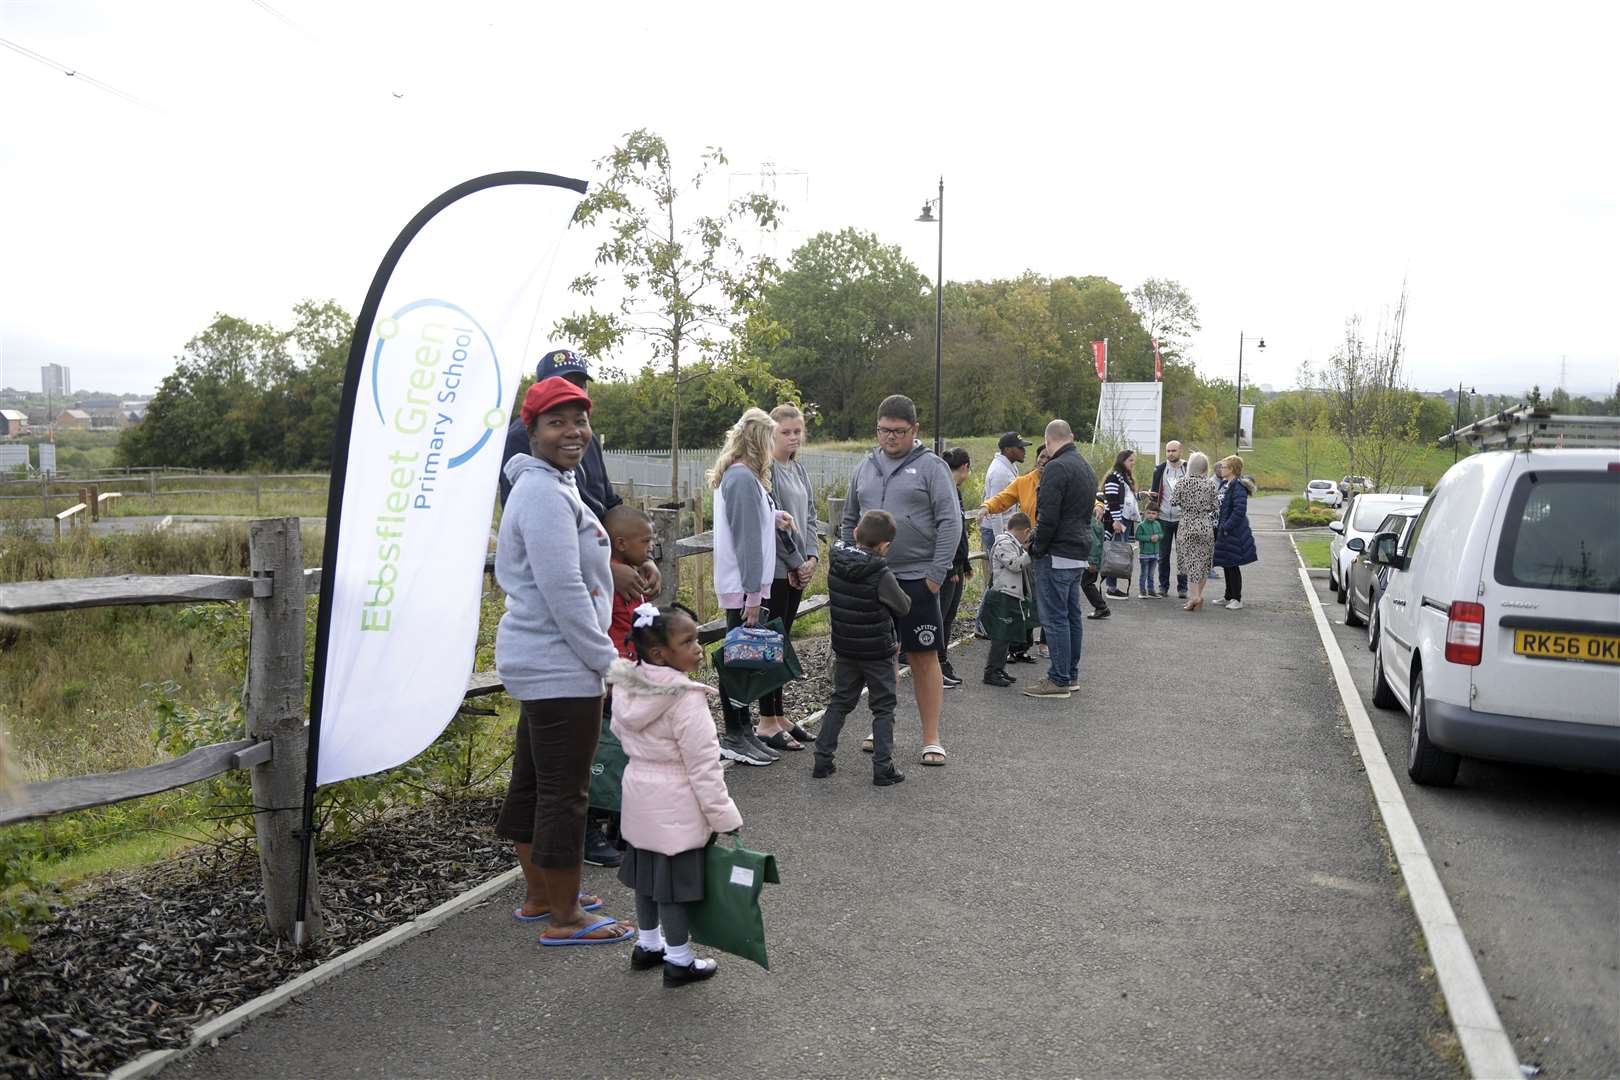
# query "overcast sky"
(1289, 164)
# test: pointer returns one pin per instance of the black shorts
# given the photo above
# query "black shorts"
(919, 629)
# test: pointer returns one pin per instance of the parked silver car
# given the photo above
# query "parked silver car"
(1365, 581)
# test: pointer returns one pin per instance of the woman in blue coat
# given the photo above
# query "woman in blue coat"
(1234, 541)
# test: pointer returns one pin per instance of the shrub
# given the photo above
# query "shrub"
(1304, 514)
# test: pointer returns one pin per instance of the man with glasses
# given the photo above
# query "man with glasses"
(908, 480)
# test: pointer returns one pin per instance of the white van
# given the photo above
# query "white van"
(1499, 627)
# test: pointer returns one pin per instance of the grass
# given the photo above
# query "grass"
(1316, 553)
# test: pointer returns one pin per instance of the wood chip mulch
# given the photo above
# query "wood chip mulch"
(135, 963)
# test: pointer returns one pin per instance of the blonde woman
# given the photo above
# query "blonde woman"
(1234, 540)
(797, 554)
(1198, 502)
(745, 524)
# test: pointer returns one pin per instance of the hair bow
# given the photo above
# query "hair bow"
(645, 614)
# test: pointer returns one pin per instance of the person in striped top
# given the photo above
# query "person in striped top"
(1119, 514)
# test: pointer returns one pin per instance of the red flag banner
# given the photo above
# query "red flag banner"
(1099, 352)
(1158, 364)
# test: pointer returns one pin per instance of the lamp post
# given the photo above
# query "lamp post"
(1237, 436)
(1455, 442)
(929, 216)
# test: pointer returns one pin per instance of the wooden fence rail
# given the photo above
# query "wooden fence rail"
(274, 695)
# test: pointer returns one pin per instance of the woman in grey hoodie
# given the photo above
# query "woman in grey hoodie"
(552, 650)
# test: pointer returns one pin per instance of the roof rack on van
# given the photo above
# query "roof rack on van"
(1531, 427)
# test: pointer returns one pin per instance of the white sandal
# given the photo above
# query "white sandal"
(933, 748)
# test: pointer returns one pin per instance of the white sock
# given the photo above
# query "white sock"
(651, 940)
(679, 954)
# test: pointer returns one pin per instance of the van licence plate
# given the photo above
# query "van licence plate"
(1559, 645)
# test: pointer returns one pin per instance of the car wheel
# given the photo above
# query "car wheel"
(1333, 575)
(1425, 762)
(1383, 694)
(1352, 617)
(1342, 589)
(1372, 623)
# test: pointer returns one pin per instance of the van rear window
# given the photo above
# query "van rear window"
(1560, 533)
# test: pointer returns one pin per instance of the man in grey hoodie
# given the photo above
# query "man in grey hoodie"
(908, 480)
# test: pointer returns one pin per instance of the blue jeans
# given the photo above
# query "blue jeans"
(1061, 619)
(987, 538)
(1149, 572)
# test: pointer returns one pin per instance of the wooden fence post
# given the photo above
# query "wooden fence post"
(274, 703)
(45, 498)
(258, 493)
(835, 518)
(95, 502)
(667, 531)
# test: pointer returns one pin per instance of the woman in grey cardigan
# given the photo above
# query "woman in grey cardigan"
(552, 650)
(797, 555)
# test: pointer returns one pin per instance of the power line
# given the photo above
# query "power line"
(75, 73)
(285, 20)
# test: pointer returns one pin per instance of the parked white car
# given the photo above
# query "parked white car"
(1360, 520)
(1324, 491)
(1499, 625)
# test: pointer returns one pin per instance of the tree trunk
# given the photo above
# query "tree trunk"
(675, 426)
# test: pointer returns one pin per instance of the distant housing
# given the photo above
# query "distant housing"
(13, 423)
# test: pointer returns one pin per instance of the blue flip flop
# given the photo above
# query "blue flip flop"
(578, 936)
(517, 912)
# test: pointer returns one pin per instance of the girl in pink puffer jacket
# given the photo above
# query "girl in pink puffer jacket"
(674, 794)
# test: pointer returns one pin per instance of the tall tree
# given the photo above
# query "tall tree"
(1167, 312)
(1370, 407)
(844, 298)
(684, 281)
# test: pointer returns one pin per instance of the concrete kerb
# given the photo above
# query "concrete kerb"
(1485, 1043)
(151, 1063)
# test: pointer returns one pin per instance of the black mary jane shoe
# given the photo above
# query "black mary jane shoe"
(645, 959)
(1100, 613)
(1022, 658)
(802, 735)
(696, 971)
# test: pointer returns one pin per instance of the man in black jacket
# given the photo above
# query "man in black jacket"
(1061, 546)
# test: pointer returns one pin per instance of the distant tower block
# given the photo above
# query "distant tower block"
(56, 380)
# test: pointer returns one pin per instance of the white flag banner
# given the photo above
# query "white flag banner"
(1245, 438)
(438, 352)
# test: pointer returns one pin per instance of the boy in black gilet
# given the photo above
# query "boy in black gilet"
(866, 598)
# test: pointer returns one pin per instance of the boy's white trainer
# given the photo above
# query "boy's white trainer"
(1235, 605)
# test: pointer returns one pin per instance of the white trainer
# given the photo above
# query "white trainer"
(1234, 605)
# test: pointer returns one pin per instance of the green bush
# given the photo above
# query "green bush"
(1304, 514)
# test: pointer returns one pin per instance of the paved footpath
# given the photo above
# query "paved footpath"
(1177, 872)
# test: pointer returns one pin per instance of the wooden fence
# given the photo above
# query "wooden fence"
(151, 485)
(275, 741)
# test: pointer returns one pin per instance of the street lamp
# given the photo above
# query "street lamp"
(934, 211)
(1456, 442)
(1237, 437)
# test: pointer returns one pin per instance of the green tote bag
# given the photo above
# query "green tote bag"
(607, 770)
(728, 917)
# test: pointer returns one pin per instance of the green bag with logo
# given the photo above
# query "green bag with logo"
(728, 917)
(607, 769)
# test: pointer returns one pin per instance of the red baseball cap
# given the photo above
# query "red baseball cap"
(550, 394)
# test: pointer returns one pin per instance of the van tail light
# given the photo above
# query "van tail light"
(1465, 633)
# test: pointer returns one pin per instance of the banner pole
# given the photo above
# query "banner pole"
(340, 460)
